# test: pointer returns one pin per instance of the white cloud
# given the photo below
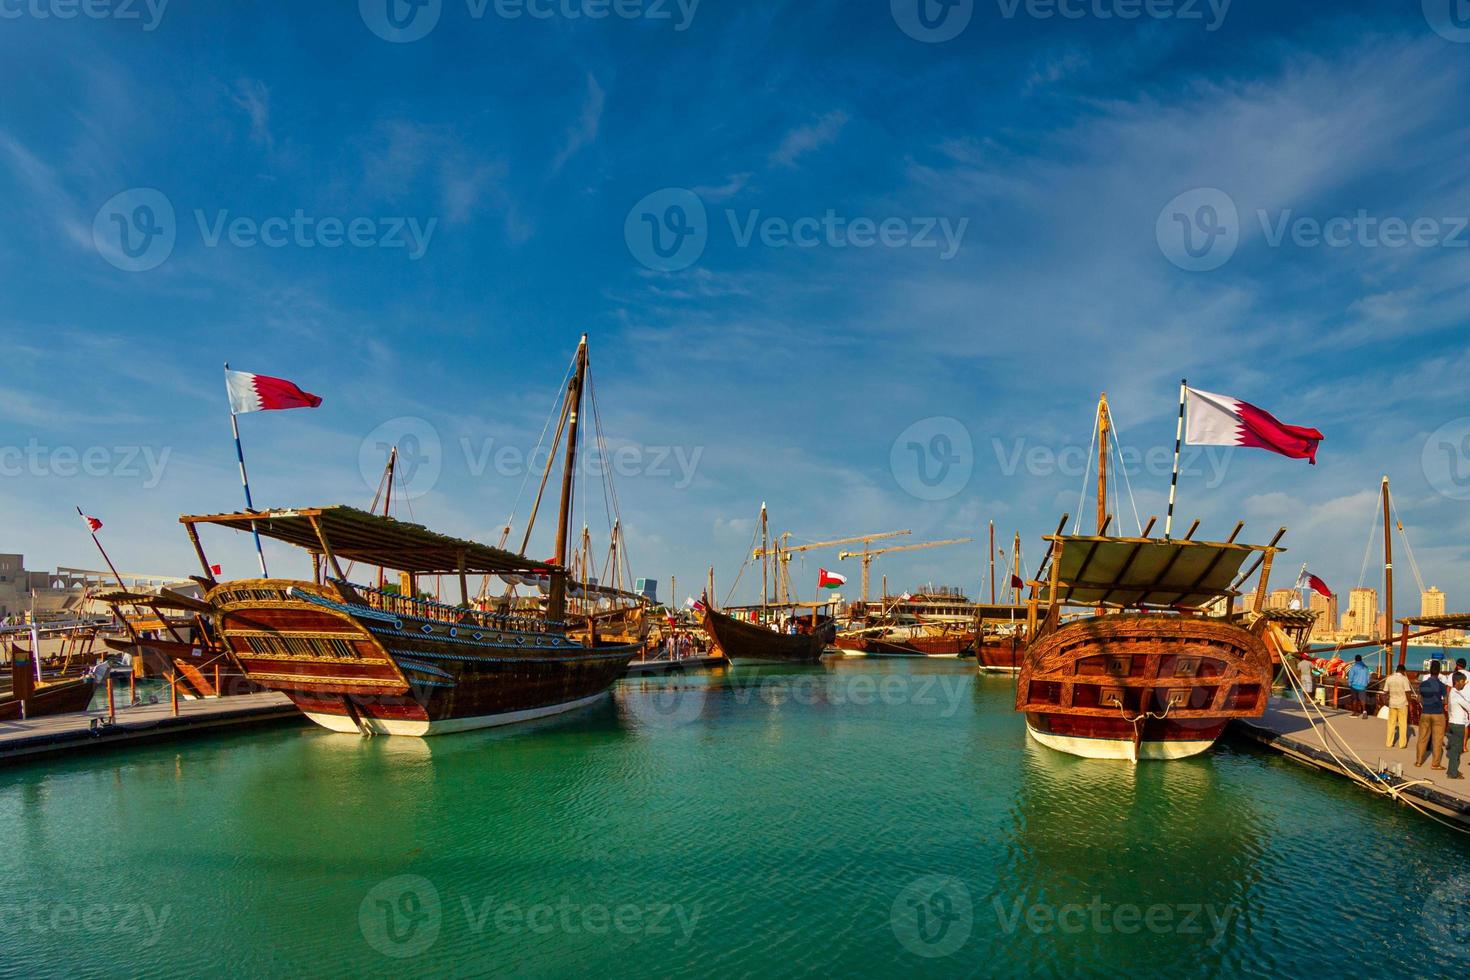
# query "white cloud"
(812, 136)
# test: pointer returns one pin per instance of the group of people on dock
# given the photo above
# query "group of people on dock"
(1443, 702)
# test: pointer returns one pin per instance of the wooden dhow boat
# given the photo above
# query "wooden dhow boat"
(772, 631)
(390, 660)
(32, 698)
(771, 634)
(1164, 662)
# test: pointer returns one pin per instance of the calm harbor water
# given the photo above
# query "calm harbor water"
(863, 817)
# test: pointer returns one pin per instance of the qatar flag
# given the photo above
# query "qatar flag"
(1309, 581)
(261, 393)
(1219, 420)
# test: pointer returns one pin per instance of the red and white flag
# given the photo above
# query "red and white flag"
(1309, 581)
(829, 580)
(215, 570)
(93, 524)
(1219, 420)
(260, 393)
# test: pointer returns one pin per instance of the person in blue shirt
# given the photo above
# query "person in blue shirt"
(1358, 676)
(1432, 697)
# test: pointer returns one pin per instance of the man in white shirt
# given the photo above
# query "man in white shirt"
(1304, 674)
(1459, 717)
(1396, 686)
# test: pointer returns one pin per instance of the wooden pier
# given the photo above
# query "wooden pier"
(1287, 728)
(71, 734)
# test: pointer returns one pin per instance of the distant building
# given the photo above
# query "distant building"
(1432, 603)
(1362, 617)
(1282, 598)
(1325, 627)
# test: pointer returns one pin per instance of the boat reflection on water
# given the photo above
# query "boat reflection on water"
(1114, 862)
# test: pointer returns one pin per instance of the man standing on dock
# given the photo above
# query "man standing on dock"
(1304, 674)
(1431, 719)
(1358, 676)
(1396, 686)
(1459, 704)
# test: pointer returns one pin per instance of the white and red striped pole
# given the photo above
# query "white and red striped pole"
(1178, 441)
(244, 478)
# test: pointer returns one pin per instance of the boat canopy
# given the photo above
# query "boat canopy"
(372, 539)
(1130, 572)
(1449, 621)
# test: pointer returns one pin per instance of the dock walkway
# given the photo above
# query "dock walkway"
(22, 741)
(1286, 728)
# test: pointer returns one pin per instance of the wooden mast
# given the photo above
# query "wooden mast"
(1102, 472)
(388, 498)
(765, 561)
(556, 602)
(1387, 581)
(1016, 568)
(1102, 463)
(992, 563)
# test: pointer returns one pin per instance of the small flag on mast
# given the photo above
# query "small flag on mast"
(829, 580)
(93, 524)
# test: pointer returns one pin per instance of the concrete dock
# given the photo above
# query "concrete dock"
(1287, 728)
(72, 734)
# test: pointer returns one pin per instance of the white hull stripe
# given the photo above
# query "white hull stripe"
(445, 726)
(1120, 748)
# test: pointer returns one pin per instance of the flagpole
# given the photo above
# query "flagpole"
(244, 479)
(1174, 478)
(110, 566)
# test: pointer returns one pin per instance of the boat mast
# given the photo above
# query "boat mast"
(1102, 473)
(556, 603)
(765, 561)
(1102, 463)
(388, 498)
(1387, 581)
(992, 563)
(1016, 569)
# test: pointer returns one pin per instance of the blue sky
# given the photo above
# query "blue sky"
(1025, 170)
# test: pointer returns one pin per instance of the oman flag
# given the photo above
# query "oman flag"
(829, 580)
(261, 393)
(1219, 420)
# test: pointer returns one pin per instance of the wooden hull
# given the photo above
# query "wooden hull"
(949, 645)
(1000, 654)
(751, 643)
(1137, 687)
(54, 698)
(352, 667)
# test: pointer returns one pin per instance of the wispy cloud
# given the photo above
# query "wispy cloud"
(584, 131)
(812, 136)
(254, 98)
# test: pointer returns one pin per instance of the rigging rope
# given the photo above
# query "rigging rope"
(1128, 482)
(1087, 473)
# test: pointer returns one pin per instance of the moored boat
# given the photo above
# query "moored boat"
(776, 635)
(1164, 662)
(391, 660)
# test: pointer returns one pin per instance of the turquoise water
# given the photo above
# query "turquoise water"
(862, 817)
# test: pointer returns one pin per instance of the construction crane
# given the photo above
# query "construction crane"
(783, 552)
(868, 556)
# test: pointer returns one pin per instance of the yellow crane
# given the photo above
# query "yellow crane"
(783, 552)
(868, 556)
